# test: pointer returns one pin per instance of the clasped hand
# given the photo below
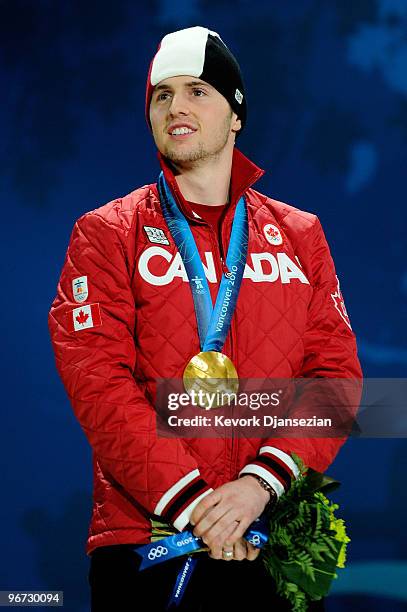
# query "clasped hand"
(223, 516)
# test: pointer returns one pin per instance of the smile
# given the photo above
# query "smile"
(178, 135)
(179, 131)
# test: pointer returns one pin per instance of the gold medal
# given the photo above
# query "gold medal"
(210, 377)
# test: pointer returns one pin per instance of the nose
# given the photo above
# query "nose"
(179, 105)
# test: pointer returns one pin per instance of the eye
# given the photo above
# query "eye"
(160, 95)
(197, 91)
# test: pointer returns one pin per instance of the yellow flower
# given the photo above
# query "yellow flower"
(338, 526)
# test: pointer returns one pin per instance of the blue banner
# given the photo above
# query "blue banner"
(168, 548)
(182, 580)
(185, 542)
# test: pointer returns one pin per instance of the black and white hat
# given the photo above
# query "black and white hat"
(201, 53)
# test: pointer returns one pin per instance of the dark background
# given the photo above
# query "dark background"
(327, 93)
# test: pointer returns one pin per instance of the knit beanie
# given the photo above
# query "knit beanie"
(200, 53)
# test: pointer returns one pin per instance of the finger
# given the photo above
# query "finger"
(217, 545)
(217, 549)
(228, 554)
(217, 535)
(204, 506)
(233, 535)
(240, 550)
(240, 529)
(209, 520)
(252, 552)
(215, 555)
(228, 536)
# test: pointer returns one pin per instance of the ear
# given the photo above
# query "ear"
(236, 124)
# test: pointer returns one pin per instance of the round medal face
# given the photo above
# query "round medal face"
(211, 375)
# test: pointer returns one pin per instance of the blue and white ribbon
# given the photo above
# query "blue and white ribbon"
(213, 321)
(213, 326)
(185, 543)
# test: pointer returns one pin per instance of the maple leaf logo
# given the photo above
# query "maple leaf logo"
(82, 318)
(271, 232)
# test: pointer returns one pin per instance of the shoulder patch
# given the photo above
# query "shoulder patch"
(80, 289)
(84, 317)
(156, 235)
(272, 234)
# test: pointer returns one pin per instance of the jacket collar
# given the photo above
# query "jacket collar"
(244, 174)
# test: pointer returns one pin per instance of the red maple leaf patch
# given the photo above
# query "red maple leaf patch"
(82, 317)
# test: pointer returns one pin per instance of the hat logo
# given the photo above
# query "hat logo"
(238, 96)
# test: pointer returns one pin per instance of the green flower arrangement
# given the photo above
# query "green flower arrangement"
(307, 542)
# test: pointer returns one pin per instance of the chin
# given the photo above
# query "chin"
(191, 155)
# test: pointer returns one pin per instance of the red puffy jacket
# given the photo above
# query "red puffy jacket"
(124, 316)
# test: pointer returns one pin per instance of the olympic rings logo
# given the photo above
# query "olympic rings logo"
(255, 540)
(157, 552)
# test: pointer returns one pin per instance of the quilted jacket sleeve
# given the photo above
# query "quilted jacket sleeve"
(95, 356)
(330, 351)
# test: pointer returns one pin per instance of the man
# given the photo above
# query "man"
(126, 315)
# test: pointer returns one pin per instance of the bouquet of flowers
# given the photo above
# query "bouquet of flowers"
(307, 542)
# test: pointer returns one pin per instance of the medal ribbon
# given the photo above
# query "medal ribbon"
(181, 582)
(185, 543)
(213, 326)
(213, 321)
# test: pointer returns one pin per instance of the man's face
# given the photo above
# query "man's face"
(197, 110)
